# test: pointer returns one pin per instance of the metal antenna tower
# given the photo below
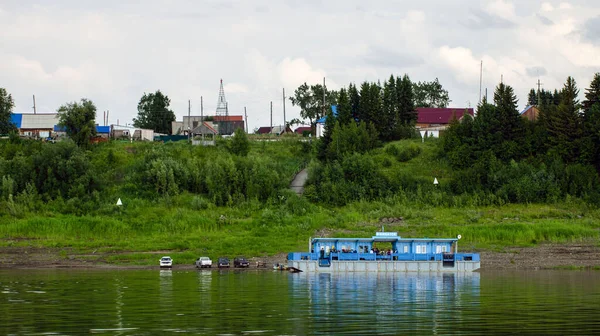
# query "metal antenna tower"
(222, 102)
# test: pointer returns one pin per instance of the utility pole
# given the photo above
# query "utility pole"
(323, 96)
(202, 118)
(284, 123)
(480, 80)
(271, 117)
(34, 108)
(539, 92)
(246, 119)
(189, 114)
(107, 111)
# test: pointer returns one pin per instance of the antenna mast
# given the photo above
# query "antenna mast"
(222, 102)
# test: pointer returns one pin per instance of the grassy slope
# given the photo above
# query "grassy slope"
(178, 225)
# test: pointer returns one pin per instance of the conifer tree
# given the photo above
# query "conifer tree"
(388, 117)
(591, 122)
(532, 98)
(344, 108)
(565, 126)
(354, 97)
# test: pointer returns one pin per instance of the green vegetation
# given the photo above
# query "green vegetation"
(502, 182)
(236, 206)
(6, 106)
(154, 113)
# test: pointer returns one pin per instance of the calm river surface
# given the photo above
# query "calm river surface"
(153, 302)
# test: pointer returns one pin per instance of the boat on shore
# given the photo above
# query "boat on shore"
(367, 255)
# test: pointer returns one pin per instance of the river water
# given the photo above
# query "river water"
(251, 302)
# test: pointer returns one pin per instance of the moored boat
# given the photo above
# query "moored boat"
(384, 252)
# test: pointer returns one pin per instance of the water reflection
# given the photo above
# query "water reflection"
(384, 301)
(151, 302)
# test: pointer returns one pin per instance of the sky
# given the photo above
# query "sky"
(113, 52)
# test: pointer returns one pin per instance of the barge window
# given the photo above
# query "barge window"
(421, 249)
(405, 248)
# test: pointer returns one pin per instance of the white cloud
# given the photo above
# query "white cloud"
(565, 5)
(235, 88)
(112, 52)
(294, 72)
(547, 7)
(503, 9)
(416, 16)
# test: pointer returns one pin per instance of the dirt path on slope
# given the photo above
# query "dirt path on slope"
(297, 184)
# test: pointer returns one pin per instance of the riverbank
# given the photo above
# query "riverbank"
(582, 255)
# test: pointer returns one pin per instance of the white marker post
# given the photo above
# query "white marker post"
(423, 136)
(119, 202)
(435, 181)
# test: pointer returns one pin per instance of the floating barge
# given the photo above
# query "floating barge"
(399, 255)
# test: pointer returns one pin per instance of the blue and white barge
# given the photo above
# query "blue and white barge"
(384, 252)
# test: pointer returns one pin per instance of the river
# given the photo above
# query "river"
(251, 302)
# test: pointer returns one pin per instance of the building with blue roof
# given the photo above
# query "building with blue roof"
(321, 121)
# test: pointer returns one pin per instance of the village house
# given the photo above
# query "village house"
(431, 121)
(277, 130)
(530, 112)
(303, 130)
(224, 125)
(37, 125)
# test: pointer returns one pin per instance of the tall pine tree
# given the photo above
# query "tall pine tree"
(344, 108)
(565, 126)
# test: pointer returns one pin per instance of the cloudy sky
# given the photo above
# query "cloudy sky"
(113, 51)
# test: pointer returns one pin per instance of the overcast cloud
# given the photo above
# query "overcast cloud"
(113, 51)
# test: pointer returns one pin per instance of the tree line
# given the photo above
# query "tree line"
(556, 154)
(367, 115)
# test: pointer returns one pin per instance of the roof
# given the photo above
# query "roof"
(303, 129)
(264, 130)
(204, 128)
(429, 115)
(34, 120)
(335, 113)
(103, 129)
(99, 129)
(16, 118)
(526, 109)
(229, 118)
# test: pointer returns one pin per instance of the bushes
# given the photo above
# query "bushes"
(405, 153)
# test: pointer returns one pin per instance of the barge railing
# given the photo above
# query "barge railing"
(350, 256)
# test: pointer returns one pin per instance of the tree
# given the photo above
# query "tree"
(565, 126)
(240, 145)
(330, 124)
(354, 101)
(407, 113)
(532, 98)
(78, 120)
(310, 101)
(591, 121)
(154, 113)
(430, 94)
(388, 117)
(344, 108)
(6, 106)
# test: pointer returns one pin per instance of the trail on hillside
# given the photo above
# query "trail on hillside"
(297, 184)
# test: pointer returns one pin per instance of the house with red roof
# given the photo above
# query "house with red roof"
(303, 130)
(433, 120)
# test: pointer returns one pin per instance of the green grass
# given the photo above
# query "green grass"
(187, 225)
(254, 230)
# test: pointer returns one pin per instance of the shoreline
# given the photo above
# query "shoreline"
(575, 256)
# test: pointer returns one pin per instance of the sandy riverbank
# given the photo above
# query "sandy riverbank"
(546, 256)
